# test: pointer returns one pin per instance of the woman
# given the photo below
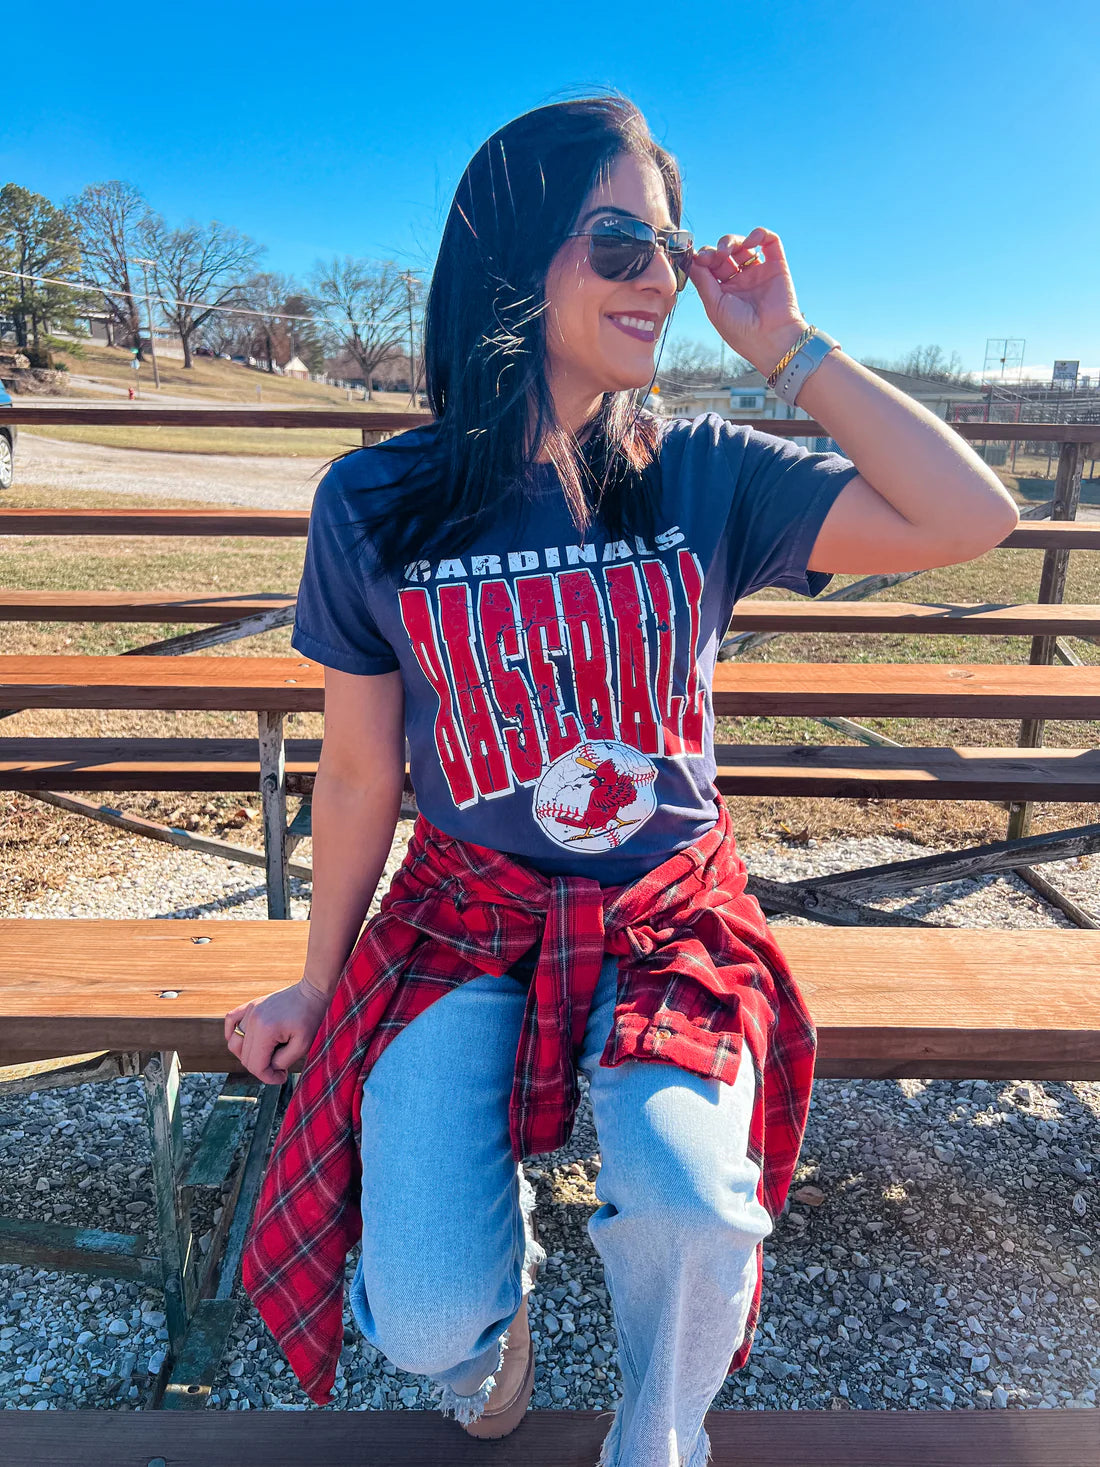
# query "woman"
(533, 589)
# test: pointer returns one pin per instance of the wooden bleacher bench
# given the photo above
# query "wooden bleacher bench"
(275, 686)
(888, 1003)
(751, 614)
(1029, 535)
(273, 1438)
(915, 618)
(277, 522)
(839, 771)
(782, 689)
(126, 606)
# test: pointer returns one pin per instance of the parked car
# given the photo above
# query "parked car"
(9, 435)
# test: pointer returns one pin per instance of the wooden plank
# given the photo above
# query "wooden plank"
(178, 1254)
(899, 690)
(241, 684)
(1028, 432)
(188, 1379)
(64, 1070)
(261, 1438)
(186, 840)
(1035, 535)
(886, 1001)
(212, 1157)
(881, 772)
(1002, 855)
(962, 619)
(367, 419)
(1054, 535)
(186, 1386)
(840, 771)
(1052, 586)
(782, 689)
(214, 415)
(114, 763)
(977, 618)
(135, 606)
(31, 1241)
(282, 522)
(273, 799)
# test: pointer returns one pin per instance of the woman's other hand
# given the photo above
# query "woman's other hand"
(750, 302)
(278, 1030)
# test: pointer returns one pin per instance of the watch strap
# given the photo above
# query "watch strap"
(804, 362)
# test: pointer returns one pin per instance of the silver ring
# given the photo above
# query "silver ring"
(238, 1030)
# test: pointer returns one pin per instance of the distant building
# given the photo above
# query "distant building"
(749, 398)
(296, 368)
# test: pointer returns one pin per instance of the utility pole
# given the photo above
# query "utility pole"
(408, 278)
(137, 260)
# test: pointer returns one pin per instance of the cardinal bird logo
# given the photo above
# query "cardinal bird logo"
(596, 796)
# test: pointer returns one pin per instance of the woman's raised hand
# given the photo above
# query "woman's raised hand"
(750, 302)
(278, 1030)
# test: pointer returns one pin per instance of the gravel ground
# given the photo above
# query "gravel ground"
(940, 1250)
(211, 478)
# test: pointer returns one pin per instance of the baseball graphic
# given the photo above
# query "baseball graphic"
(596, 796)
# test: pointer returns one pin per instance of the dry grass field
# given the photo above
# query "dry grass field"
(210, 381)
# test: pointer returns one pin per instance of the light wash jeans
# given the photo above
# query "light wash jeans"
(446, 1237)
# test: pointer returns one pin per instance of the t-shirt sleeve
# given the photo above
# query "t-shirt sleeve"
(782, 495)
(333, 624)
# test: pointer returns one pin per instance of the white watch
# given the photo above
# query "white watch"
(805, 361)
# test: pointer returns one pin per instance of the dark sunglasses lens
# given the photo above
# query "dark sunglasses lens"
(623, 249)
(680, 254)
(617, 255)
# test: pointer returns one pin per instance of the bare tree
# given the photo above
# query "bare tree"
(361, 308)
(227, 334)
(197, 270)
(695, 364)
(929, 362)
(267, 294)
(112, 219)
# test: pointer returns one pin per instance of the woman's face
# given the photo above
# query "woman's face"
(601, 335)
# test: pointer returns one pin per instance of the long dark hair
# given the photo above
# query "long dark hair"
(485, 347)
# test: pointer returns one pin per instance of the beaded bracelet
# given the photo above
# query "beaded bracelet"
(807, 335)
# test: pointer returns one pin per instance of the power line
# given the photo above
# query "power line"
(162, 300)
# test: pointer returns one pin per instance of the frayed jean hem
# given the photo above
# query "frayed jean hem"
(469, 1408)
(699, 1456)
(534, 1254)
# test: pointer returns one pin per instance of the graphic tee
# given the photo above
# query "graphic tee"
(558, 694)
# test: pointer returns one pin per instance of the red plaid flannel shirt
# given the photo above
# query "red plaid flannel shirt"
(700, 976)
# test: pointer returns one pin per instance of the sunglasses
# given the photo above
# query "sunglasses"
(620, 249)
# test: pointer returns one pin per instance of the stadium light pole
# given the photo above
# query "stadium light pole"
(137, 260)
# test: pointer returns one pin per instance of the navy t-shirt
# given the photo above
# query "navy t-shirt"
(558, 695)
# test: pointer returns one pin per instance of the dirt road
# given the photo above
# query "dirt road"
(213, 478)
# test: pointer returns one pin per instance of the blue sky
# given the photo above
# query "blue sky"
(930, 167)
